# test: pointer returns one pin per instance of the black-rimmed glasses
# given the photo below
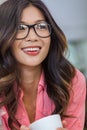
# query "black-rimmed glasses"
(42, 29)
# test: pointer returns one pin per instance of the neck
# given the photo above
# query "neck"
(30, 78)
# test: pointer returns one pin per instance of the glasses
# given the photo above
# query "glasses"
(42, 29)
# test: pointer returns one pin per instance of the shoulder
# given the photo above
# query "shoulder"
(79, 78)
(79, 85)
(76, 106)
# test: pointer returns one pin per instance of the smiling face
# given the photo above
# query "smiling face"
(32, 50)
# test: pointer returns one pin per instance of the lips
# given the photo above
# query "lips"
(33, 50)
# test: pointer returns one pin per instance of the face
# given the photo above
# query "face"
(32, 50)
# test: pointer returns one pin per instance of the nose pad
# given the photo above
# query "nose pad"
(31, 34)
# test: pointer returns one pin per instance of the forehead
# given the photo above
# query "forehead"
(31, 14)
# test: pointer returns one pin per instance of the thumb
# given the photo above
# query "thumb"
(64, 123)
(24, 128)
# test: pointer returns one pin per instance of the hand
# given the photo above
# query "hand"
(61, 129)
(64, 125)
(24, 128)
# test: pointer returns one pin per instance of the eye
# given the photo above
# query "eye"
(42, 26)
(22, 27)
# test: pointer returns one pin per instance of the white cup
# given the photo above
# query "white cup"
(51, 122)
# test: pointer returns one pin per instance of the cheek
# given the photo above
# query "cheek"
(46, 47)
(16, 45)
(15, 49)
(47, 44)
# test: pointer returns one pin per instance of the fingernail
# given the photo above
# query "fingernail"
(24, 127)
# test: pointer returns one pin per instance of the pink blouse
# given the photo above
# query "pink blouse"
(45, 106)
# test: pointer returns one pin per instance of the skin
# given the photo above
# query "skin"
(29, 65)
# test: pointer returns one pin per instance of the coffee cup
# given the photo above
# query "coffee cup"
(51, 122)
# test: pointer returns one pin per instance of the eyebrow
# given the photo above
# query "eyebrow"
(38, 21)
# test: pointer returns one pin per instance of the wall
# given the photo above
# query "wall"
(71, 16)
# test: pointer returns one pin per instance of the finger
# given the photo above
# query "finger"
(24, 128)
(61, 129)
(64, 123)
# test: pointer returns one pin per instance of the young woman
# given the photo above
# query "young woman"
(36, 80)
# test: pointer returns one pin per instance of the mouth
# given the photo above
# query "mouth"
(32, 50)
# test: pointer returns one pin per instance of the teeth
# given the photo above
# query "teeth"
(31, 49)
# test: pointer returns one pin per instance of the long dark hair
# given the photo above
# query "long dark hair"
(58, 70)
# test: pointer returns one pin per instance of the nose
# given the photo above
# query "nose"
(32, 36)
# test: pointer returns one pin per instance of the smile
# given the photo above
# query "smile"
(31, 50)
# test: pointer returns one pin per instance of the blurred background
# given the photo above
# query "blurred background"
(71, 16)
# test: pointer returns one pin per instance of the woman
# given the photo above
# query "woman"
(36, 80)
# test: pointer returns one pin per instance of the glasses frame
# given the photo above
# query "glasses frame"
(33, 26)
